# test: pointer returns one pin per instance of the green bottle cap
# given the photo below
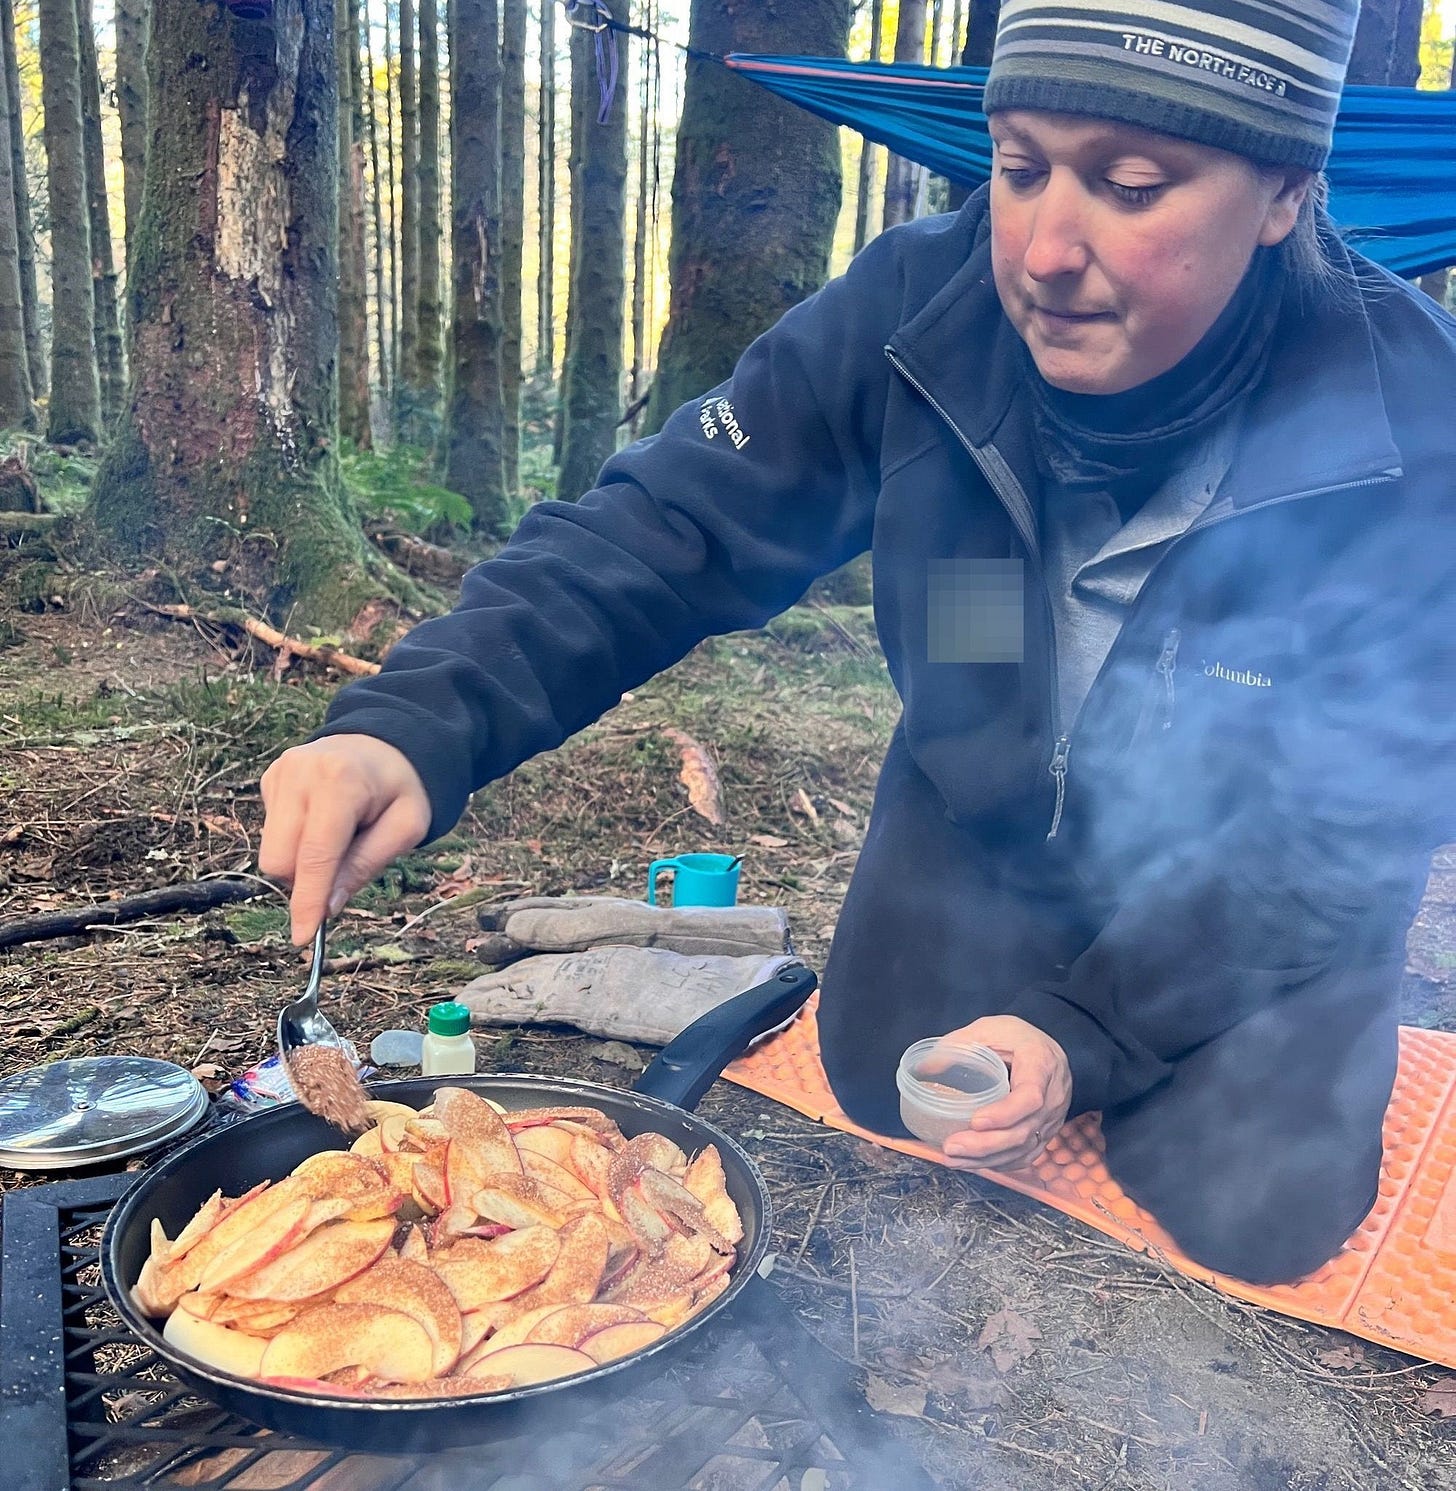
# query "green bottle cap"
(449, 1018)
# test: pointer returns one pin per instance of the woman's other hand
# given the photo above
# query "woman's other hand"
(338, 810)
(1012, 1131)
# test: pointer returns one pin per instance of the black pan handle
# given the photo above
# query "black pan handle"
(692, 1061)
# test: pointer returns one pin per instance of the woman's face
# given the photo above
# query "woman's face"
(1116, 248)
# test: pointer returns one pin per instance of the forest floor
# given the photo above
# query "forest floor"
(130, 748)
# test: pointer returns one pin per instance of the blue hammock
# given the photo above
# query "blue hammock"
(1392, 171)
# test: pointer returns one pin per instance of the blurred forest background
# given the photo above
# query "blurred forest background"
(306, 300)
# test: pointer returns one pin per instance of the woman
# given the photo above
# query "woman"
(1151, 471)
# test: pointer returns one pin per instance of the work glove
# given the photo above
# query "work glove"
(565, 924)
(627, 993)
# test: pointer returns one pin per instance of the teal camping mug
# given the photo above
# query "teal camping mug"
(698, 879)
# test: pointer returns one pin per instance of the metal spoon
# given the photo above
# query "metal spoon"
(299, 1022)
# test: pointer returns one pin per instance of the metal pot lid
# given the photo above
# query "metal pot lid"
(93, 1110)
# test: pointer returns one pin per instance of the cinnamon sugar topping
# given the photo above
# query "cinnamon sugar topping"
(327, 1084)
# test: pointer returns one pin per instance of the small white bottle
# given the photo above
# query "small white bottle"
(448, 1049)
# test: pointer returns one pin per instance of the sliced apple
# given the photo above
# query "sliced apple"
(658, 1152)
(327, 1258)
(544, 1139)
(446, 1387)
(274, 1235)
(669, 1313)
(679, 1206)
(577, 1273)
(590, 1161)
(643, 1220)
(529, 1364)
(705, 1180)
(215, 1345)
(257, 1317)
(413, 1247)
(337, 1175)
(429, 1185)
(367, 1146)
(616, 1341)
(572, 1324)
(592, 1119)
(393, 1131)
(472, 1122)
(517, 1201)
(511, 1332)
(380, 1108)
(710, 1291)
(475, 1326)
(480, 1273)
(424, 1131)
(540, 1167)
(414, 1290)
(315, 1385)
(386, 1343)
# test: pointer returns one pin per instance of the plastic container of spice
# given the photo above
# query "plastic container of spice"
(448, 1050)
(942, 1082)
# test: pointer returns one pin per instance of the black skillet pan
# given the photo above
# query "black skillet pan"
(268, 1145)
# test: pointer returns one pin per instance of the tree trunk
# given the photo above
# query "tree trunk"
(377, 210)
(409, 225)
(640, 227)
(131, 105)
(227, 450)
(591, 392)
(25, 234)
(427, 338)
(75, 407)
(110, 360)
(577, 114)
(513, 223)
(755, 196)
(937, 25)
(1387, 50)
(353, 291)
(17, 411)
(867, 150)
(474, 465)
(393, 236)
(980, 43)
(902, 180)
(957, 21)
(546, 194)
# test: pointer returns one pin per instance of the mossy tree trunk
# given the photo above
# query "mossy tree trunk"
(1387, 50)
(75, 407)
(110, 360)
(755, 196)
(25, 235)
(981, 26)
(376, 206)
(591, 383)
(902, 178)
(353, 300)
(427, 341)
(513, 225)
(475, 428)
(17, 411)
(409, 222)
(226, 449)
(131, 104)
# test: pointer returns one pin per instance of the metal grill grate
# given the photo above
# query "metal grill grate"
(756, 1406)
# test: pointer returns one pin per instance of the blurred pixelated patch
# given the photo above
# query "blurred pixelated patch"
(975, 611)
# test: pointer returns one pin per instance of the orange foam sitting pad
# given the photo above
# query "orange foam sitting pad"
(1393, 1282)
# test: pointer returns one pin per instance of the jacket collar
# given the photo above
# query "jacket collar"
(1316, 420)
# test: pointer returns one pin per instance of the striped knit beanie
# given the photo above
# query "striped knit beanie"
(1261, 78)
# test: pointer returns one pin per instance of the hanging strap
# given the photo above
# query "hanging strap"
(593, 16)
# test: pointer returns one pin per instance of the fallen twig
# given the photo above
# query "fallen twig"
(287, 646)
(191, 895)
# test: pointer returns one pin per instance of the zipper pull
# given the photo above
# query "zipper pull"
(1060, 752)
(1167, 662)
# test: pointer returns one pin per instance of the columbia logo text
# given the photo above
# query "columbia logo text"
(1245, 676)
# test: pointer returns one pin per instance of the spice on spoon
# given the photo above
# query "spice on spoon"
(326, 1084)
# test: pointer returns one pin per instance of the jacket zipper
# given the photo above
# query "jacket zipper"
(1167, 663)
(1009, 492)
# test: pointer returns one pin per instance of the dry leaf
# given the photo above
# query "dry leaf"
(1440, 1398)
(1341, 1356)
(842, 807)
(458, 881)
(1009, 1337)
(618, 1053)
(803, 804)
(699, 776)
(905, 1399)
(768, 841)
